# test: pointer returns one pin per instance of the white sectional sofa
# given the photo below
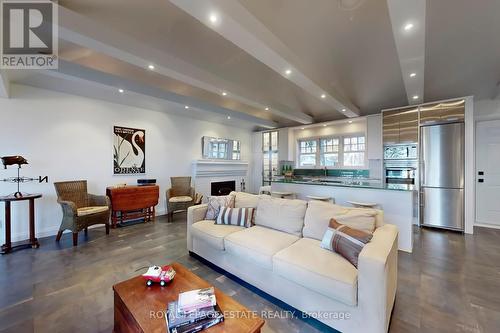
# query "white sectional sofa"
(281, 255)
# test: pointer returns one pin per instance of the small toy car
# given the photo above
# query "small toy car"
(163, 275)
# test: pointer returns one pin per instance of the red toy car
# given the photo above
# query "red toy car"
(163, 275)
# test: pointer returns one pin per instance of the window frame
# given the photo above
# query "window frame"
(319, 153)
(269, 152)
(315, 153)
(357, 150)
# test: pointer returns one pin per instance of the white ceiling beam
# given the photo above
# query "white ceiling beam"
(235, 23)
(4, 85)
(408, 27)
(79, 30)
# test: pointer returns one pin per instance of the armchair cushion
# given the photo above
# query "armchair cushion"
(84, 211)
(182, 198)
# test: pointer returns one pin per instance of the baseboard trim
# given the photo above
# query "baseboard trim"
(302, 316)
(486, 225)
(19, 237)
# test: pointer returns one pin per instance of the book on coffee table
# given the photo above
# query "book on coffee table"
(177, 319)
(196, 299)
(193, 322)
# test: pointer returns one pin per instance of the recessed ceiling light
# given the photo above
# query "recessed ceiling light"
(343, 110)
(303, 128)
(350, 121)
(224, 93)
(186, 107)
(413, 74)
(323, 96)
(408, 26)
(151, 67)
(121, 91)
(213, 18)
(324, 125)
(267, 109)
(288, 72)
(228, 117)
(415, 97)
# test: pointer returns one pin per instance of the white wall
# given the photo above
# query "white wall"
(487, 109)
(342, 128)
(68, 137)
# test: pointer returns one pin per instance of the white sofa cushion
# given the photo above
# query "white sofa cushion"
(319, 213)
(281, 214)
(245, 200)
(307, 264)
(212, 233)
(361, 219)
(258, 244)
(317, 218)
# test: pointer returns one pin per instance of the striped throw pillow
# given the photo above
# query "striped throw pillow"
(345, 241)
(235, 216)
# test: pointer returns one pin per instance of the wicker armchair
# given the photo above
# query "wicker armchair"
(80, 209)
(180, 196)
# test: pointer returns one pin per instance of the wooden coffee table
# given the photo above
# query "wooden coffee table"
(139, 308)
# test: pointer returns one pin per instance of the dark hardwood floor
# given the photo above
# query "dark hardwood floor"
(450, 283)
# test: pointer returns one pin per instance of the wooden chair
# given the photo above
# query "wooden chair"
(80, 209)
(180, 196)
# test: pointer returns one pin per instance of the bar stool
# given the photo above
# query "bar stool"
(321, 198)
(265, 190)
(283, 195)
(363, 204)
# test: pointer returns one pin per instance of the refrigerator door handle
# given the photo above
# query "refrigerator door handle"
(422, 201)
(422, 173)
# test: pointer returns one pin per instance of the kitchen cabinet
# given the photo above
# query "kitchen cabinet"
(400, 126)
(374, 144)
(453, 111)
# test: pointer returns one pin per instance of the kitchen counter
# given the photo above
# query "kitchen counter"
(343, 182)
(396, 200)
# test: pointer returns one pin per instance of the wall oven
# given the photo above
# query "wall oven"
(400, 164)
(400, 174)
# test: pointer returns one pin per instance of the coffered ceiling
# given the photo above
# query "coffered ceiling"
(275, 62)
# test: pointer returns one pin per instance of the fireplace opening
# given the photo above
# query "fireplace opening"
(222, 188)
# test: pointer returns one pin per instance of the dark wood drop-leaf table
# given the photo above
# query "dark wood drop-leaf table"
(33, 242)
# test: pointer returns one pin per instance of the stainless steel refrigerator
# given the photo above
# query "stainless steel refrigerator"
(442, 158)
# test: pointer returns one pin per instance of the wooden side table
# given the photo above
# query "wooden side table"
(33, 242)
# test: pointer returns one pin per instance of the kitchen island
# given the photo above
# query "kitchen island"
(396, 200)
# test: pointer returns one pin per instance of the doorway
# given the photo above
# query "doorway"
(488, 173)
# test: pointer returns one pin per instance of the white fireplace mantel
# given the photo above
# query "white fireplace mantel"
(204, 172)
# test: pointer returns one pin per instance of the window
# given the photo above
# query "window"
(270, 153)
(354, 151)
(307, 153)
(332, 152)
(236, 150)
(218, 149)
(329, 152)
